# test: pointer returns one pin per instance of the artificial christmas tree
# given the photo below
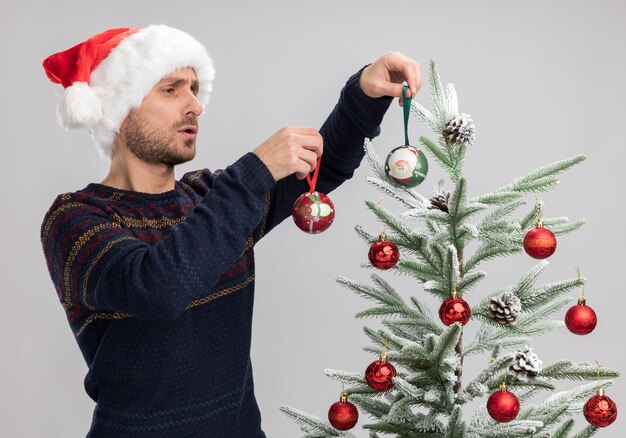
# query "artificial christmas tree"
(454, 235)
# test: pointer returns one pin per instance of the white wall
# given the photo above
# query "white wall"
(542, 80)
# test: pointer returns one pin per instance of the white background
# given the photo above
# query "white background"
(542, 81)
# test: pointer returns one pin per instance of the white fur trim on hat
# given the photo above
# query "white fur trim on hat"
(127, 75)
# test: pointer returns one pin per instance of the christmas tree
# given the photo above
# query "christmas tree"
(417, 387)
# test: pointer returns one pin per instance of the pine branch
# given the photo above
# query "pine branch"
(480, 385)
(373, 406)
(525, 284)
(384, 294)
(587, 432)
(492, 336)
(424, 115)
(484, 253)
(379, 312)
(451, 100)
(567, 369)
(421, 271)
(469, 281)
(437, 96)
(566, 228)
(564, 429)
(373, 160)
(483, 426)
(409, 197)
(417, 327)
(456, 426)
(498, 214)
(440, 155)
(572, 399)
(548, 171)
(540, 179)
(416, 426)
(497, 197)
(545, 294)
(445, 347)
(387, 218)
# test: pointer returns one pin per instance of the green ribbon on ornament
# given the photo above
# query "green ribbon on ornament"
(406, 105)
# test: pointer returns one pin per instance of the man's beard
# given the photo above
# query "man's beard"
(153, 145)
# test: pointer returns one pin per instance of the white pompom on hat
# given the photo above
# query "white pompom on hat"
(110, 73)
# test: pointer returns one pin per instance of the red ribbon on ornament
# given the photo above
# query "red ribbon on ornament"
(313, 181)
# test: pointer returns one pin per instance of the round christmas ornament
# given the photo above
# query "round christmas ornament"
(406, 165)
(343, 415)
(379, 374)
(455, 309)
(581, 319)
(383, 254)
(600, 410)
(313, 212)
(539, 243)
(503, 406)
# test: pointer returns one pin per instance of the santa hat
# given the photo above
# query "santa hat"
(110, 73)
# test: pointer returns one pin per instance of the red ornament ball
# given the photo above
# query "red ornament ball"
(600, 410)
(313, 212)
(503, 406)
(379, 375)
(540, 243)
(581, 319)
(343, 415)
(384, 254)
(455, 310)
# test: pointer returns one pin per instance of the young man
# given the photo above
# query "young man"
(156, 276)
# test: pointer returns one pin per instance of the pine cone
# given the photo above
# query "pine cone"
(505, 309)
(527, 364)
(460, 130)
(440, 201)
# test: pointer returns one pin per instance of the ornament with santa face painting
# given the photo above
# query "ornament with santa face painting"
(406, 166)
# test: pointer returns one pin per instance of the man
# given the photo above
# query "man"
(156, 275)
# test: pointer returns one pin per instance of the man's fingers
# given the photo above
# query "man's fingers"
(413, 76)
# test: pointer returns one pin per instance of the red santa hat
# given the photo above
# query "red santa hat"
(110, 73)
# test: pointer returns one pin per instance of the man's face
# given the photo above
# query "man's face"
(163, 129)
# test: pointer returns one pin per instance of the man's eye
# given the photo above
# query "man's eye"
(170, 90)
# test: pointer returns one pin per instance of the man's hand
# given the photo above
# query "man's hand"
(291, 150)
(384, 77)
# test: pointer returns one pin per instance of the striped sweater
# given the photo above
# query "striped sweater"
(158, 289)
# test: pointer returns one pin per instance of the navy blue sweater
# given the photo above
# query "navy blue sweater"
(159, 288)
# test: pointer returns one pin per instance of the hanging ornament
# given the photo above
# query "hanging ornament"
(503, 406)
(581, 319)
(600, 410)
(343, 415)
(406, 165)
(505, 309)
(313, 212)
(460, 130)
(379, 374)
(383, 254)
(455, 309)
(540, 242)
